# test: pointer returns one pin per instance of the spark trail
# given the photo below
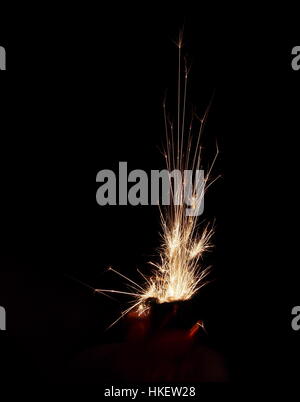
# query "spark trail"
(179, 273)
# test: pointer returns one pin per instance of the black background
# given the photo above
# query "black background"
(79, 96)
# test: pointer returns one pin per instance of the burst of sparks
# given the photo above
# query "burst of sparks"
(179, 274)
